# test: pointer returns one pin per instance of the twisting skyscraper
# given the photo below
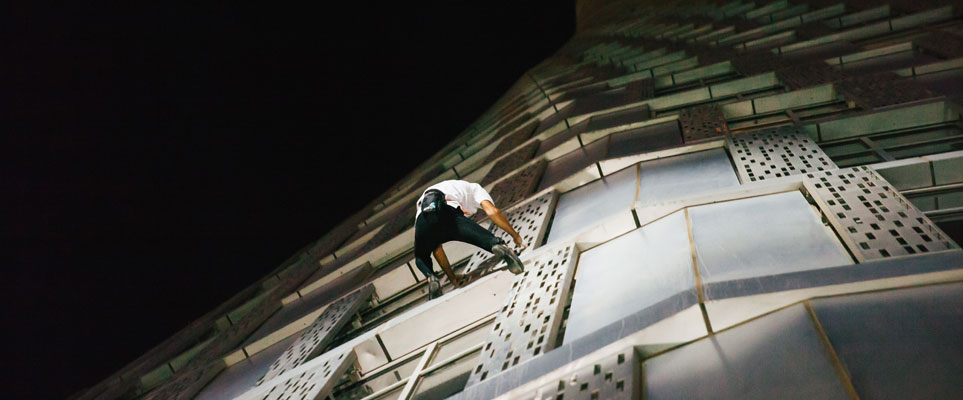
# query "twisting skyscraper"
(726, 200)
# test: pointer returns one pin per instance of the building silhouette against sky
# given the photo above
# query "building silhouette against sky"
(726, 200)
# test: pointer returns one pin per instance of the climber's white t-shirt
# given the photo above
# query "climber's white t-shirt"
(466, 195)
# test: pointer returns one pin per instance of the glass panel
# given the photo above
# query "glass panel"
(447, 380)
(952, 228)
(918, 136)
(564, 166)
(950, 200)
(380, 380)
(561, 137)
(759, 122)
(924, 203)
(592, 203)
(463, 342)
(849, 161)
(623, 117)
(779, 356)
(922, 150)
(394, 278)
(641, 140)
(681, 176)
(947, 83)
(643, 268)
(762, 236)
(847, 147)
(899, 344)
(820, 110)
(241, 377)
(888, 63)
(407, 300)
(392, 395)
(395, 374)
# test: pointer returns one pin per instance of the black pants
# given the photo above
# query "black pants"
(444, 225)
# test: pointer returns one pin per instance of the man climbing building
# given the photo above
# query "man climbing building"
(441, 217)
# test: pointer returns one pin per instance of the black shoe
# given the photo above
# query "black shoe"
(515, 265)
(434, 288)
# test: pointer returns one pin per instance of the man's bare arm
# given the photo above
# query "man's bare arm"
(442, 259)
(499, 219)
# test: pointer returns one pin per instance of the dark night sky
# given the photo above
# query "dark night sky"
(157, 160)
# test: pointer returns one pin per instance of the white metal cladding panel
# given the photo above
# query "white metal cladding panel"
(590, 204)
(528, 323)
(320, 333)
(314, 382)
(874, 219)
(615, 376)
(530, 219)
(630, 273)
(685, 175)
(775, 153)
(760, 236)
(395, 281)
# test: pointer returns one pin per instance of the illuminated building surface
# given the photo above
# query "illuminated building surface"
(721, 200)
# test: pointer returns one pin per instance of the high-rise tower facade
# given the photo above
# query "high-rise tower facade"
(720, 199)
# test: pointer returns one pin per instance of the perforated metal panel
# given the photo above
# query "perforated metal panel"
(529, 219)
(403, 219)
(776, 153)
(512, 141)
(758, 62)
(874, 219)
(880, 90)
(313, 383)
(943, 44)
(518, 186)
(702, 122)
(514, 123)
(812, 30)
(739, 22)
(517, 158)
(528, 324)
(208, 362)
(807, 74)
(613, 377)
(187, 383)
(644, 88)
(317, 336)
(708, 55)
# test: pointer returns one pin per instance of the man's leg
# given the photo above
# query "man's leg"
(469, 232)
(424, 232)
(423, 262)
(442, 259)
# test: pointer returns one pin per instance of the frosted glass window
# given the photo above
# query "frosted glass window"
(681, 176)
(779, 356)
(588, 205)
(447, 380)
(380, 381)
(762, 236)
(392, 395)
(463, 342)
(649, 266)
(899, 344)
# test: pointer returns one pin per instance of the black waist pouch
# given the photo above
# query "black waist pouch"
(432, 201)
